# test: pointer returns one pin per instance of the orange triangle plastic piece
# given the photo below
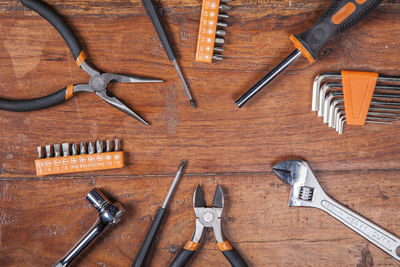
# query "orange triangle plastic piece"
(358, 88)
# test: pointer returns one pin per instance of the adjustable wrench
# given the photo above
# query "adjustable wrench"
(307, 192)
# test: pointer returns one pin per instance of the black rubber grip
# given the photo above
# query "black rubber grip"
(324, 29)
(141, 257)
(33, 104)
(234, 258)
(154, 14)
(58, 22)
(182, 258)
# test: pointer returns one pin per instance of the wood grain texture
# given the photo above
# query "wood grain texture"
(41, 218)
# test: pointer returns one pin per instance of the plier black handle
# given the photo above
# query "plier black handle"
(98, 82)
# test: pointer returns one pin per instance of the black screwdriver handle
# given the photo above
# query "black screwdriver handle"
(155, 16)
(340, 16)
(61, 26)
(233, 256)
(141, 257)
(37, 103)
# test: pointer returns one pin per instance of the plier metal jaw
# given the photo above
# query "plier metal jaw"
(208, 218)
(97, 84)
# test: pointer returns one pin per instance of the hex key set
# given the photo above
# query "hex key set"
(356, 98)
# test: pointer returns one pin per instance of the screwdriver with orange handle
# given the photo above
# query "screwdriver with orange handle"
(340, 16)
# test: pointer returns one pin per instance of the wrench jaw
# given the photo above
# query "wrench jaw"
(305, 191)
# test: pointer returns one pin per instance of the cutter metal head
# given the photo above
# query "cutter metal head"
(208, 217)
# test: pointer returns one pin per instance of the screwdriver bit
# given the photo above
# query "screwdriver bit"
(224, 8)
(222, 24)
(108, 146)
(48, 151)
(220, 32)
(218, 49)
(90, 148)
(116, 145)
(65, 149)
(223, 16)
(219, 40)
(74, 150)
(39, 151)
(99, 146)
(57, 150)
(217, 57)
(82, 148)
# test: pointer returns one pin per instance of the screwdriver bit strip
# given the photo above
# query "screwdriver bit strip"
(54, 163)
(210, 32)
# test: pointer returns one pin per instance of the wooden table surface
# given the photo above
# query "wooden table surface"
(41, 218)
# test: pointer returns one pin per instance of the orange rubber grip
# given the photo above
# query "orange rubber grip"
(344, 13)
(224, 246)
(191, 245)
(301, 48)
(82, 57)
(207, 30)
(69, 92)
(80, 163)
(358, 88)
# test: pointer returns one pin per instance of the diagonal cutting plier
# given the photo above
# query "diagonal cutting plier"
(98, 81)
(208, 218)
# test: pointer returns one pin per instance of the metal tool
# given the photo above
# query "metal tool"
(208, 218)
(307, 192)
(97, 84)
(328, 100)
(141, 256)
(62, 161)
(155, 17)
(340, 16)
(109, 214)
(211, 35)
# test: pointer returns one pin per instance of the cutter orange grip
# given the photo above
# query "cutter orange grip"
(358, 88)
(207, 30)
(80, 163)
(191, 245)
(224, 246)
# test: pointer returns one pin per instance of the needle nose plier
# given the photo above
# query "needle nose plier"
(208, 218)
(97, 84)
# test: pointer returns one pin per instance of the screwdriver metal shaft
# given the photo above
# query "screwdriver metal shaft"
(155, 17)
(268, 78)
(140, 259)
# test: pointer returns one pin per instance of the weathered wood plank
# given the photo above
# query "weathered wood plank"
(41, 220)
(278, 122)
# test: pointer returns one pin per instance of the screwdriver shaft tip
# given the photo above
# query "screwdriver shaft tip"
(182, 165)
(192, 103)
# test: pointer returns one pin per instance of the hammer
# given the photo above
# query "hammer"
(109, 213)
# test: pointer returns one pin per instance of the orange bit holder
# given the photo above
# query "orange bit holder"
(80, 163)
(207, 30)
(358, 88)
